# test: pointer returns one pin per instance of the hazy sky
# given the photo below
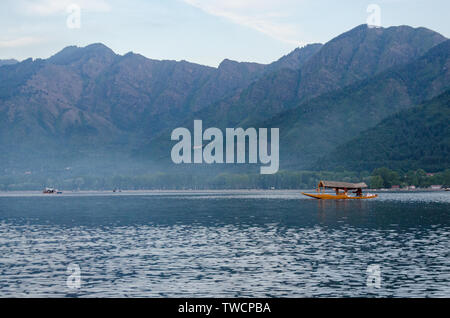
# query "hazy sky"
(202, 31)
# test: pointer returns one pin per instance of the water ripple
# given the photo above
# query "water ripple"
(139, 248)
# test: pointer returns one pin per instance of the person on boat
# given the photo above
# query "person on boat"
(358, 192)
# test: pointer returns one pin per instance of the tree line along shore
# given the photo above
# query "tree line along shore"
(381, 178)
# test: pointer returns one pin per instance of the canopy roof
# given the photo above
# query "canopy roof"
(342, 185)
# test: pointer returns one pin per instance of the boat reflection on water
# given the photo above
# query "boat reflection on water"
(333, 211)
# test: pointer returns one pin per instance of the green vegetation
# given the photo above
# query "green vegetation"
(386, 178)
(313, 130)
(409, 140)
(380, 178)
(66, 125)
(314, 119)
(281, 180)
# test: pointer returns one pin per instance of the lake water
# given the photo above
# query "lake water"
(224, 244)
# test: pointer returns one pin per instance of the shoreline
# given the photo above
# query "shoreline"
(203, 190)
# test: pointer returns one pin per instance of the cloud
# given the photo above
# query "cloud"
(51, 7)
(23, 41)
(265, 16)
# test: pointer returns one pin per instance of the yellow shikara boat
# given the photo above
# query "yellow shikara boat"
(338, 186)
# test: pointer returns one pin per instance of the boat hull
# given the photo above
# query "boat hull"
(327, 196)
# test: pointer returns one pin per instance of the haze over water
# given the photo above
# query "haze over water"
(224, 244)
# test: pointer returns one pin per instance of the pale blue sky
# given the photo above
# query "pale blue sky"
(201, 31)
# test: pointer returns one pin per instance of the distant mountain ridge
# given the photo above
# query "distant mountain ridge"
(8, 62)
(89, 104)
(310, 130)
(353, 56)
(295, 59)
(90, 97)
(310, 126)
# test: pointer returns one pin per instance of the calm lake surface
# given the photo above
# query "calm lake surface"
(224, 244)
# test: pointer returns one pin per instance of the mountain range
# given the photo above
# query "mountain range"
(310, 125)
(90, 110)
(329, 120)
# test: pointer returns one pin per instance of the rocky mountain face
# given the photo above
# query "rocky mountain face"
(295, 59)
(356, 55)
(91, 98)
(369, 74)
(92, 105)
(309, 131)
(361, 53)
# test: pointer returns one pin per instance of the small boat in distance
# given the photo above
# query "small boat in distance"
(338, 186)
(51, 191)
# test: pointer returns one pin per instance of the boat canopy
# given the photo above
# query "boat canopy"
(341, 185)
